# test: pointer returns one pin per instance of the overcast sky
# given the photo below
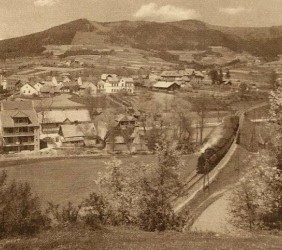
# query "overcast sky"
(20, 17)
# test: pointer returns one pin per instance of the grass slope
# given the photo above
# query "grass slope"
(33, 44)
(119, 238)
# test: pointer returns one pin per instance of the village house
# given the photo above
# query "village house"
(77, 135)
(28, 90)
(19, 127)
(188, 72)
(131, 139)
(153, 77)
(105, 87)
(110, 84)
(166, 86)
(126, 84)
(70, 87)
(38, 86)
(126, 121)
(51, 120)
(49, 91)
(198, 77)
(10, 84)
(88, 89)
(170, 76)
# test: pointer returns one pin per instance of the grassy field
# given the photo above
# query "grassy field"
(61, 181)
(119, 238)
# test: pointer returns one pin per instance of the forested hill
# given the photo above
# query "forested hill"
(189, 34)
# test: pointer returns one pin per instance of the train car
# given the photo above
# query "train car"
(213, 154)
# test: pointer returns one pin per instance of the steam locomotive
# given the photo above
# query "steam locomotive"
(215, 152)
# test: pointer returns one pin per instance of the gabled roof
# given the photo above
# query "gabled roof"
(7, 121)
(50, 89)
(127, 79)
(59, 116)
(70, 84)
(19, 114)
(87, 85)
(109, 77)
(163, 85)
(78, 130)
(16, 105)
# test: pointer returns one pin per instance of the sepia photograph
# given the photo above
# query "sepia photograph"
(140, 124)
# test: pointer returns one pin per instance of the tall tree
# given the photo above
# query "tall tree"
(201, 106)
(156, 212)
(214, 76)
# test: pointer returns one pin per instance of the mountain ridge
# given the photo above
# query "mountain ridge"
(178, 35)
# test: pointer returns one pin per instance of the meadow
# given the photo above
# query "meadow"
(63, 180)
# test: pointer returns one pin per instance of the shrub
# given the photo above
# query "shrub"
(65, 215)
(97, 210)
(19, 209)
(139, 195)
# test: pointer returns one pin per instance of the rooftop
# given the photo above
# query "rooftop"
(164, 85)
(59, 116)
(7, 121)
(16, 105)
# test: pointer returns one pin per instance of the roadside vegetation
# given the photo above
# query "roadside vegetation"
(256, 203)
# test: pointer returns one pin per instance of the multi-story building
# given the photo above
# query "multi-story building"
(19, 127)
(111, 84)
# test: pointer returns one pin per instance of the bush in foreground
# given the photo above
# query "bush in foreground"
(20, 212)
(139, 195)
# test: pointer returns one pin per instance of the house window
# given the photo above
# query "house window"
(23, 120)
(25, 139)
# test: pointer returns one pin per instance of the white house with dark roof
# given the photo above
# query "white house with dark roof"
(112, 85)
(28, 90)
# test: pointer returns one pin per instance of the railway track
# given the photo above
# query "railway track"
(195, 178)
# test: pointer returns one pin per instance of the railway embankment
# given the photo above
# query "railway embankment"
(202, 191)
